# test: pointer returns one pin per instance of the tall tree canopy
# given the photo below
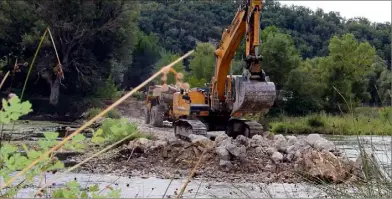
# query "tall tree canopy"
(94, 40)
(107, 45)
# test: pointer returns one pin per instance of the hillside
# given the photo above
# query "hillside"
(179, 25)
(120, 43)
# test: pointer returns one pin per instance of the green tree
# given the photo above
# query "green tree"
(384, 83)
(94, 40)
(270, 30)
(305, 90)
(279, 56)
(167, 58)
(201, 65)
(347, 64)
(146, 54)
(237, 67)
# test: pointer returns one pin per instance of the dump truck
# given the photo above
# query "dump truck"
(161, 106)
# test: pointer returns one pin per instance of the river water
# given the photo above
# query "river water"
(136, 187)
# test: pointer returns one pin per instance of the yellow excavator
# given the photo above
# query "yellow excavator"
(222, 105)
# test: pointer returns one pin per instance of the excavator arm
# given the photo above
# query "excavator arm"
(251, 92)
(231, 97)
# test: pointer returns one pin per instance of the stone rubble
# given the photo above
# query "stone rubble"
(313, 156)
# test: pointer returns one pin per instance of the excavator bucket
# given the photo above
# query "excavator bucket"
(252, 96)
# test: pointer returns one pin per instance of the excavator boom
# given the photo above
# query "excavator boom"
(231, 97)
(251, 92)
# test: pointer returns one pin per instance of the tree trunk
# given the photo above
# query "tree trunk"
(54, 92)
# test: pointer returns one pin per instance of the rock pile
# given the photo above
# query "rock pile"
(311, 156)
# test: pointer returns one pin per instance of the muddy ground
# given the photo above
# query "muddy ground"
(167, 157)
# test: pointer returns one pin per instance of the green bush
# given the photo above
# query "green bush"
(14, 158)
(108, 90)
(138, 95)
(113, 130)
(315, 121)
(333, 124)
(114, 114)
(93, 112)
(279, 127)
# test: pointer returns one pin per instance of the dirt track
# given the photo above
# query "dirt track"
(133, 110)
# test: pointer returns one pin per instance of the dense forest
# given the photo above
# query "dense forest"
(319, 61)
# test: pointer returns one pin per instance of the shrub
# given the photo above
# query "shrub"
(329, 124)
(114, 114)
(108, 90)
(138, 95)
(93, 112)
(14, 158)
(279, 127)
(316, 121)
(113, 130)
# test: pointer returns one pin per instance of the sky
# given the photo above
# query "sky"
(375, 11)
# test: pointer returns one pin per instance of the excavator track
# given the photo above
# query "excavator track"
(184, 127)
(247, 128)
(254, 127)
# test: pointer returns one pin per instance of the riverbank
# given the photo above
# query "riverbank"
(364, 121)
(266, 159)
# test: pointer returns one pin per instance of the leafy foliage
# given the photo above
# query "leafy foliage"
(113, 130)
(114, 114)
(347, 124)
(107, 90)
(279, 56)
(139, 95)
(74, 190)
(201, 65)
(127, 42)
(13, 159)
(13, 109)
(167, 58)
(89, 52)
(146, 54)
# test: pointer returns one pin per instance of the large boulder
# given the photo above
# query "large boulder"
(223, 153)
(291, 140)
(271, 150)
(202, 141)
(220, 138)
(236, 151)
(277, 157)
(323, 144)
(280, 143)
(242, 140)
(258, 141)
(140, 145)
(324, 166)
(312, 138)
